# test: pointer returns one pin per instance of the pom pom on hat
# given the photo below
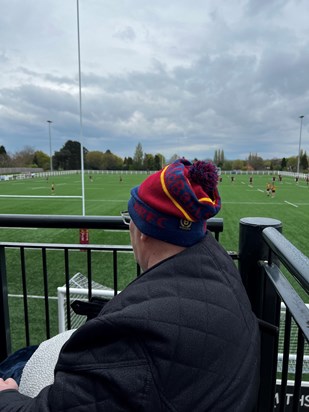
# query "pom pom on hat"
(173, 204)
(204, 174)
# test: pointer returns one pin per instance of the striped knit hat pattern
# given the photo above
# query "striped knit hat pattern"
(174, 203)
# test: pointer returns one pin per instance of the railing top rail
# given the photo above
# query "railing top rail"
(79, 222)
(122, 248)
(292, 258)
(290, 297)
(63, 221)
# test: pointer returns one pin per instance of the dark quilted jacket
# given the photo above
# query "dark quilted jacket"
(181, 337)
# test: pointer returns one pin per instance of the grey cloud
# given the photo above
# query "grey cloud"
(3, 58)
(56, 80)
(127, 34)
(285, 72)
(265, 7)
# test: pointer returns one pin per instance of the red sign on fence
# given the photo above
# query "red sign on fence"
(83, 236)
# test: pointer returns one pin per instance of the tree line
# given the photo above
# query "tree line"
(256, 162)
(69, 158)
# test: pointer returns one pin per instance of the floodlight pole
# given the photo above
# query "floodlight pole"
(80, 114)
(50, 147)
(298, 160)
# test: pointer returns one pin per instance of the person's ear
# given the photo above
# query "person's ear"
(144, 237)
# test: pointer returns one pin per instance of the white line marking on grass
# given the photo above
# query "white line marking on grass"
(260, 190)
(42, 197)
(22, 228)
(292, 204)
(37, 188)
(242, 183)
(105, 200)
(32, 296)
(254, 203)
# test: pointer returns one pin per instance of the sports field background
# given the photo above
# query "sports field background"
(107, 195)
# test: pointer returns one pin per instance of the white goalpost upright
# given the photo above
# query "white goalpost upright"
(80, 114)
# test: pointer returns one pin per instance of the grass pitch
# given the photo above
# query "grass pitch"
(108, 195)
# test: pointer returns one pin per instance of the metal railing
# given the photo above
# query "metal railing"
(44, 249)
(264, 253)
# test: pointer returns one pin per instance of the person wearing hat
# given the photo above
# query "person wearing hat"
(181, 336)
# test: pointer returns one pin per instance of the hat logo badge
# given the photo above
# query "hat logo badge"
(185, 224)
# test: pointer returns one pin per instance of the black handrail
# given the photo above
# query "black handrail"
(295, 262)
(63, 221)
(79, 222)
(59, 221)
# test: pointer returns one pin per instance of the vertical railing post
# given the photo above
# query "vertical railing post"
(253, 248)
(264, 300)
(5, 347)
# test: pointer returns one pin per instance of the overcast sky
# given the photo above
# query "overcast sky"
(185, 77)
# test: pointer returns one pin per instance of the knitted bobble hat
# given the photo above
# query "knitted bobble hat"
(174, 203)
